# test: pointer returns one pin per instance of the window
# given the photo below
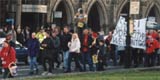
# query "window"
(42, 2)
(3, 11)
(30, 1)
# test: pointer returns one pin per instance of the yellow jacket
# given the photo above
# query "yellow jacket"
(40, 36)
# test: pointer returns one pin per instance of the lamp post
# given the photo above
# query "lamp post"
(18, 12)
(128, 53)
(133, 8)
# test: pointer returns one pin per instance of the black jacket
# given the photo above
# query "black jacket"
(65, 38)
(48, 50)
(20, 38)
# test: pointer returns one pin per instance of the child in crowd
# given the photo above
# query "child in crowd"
(101, 56)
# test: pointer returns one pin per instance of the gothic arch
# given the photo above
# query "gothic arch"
(120, 8)
(101, 11)
(151, 6)
(69, 9)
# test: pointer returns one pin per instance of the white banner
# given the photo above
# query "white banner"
(138, 38)
(119, 35)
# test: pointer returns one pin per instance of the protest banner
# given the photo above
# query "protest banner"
(119, 35)
(138, 38)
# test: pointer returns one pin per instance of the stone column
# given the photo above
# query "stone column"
(18, 12)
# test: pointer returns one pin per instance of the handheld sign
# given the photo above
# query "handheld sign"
(119, 35)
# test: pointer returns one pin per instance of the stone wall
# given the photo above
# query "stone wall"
(110, 9)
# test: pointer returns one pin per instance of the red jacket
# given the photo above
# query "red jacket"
(7, 56)
(158, 46)
(151, 46)
(154, 35)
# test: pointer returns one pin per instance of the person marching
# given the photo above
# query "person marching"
(56, 44)
(40, 36)
(74, 49)
(86, 42)
(101, 56)
(65, 38)
(33, 51)
(94, 50)
(111, 48)
(47, 55)
(8, 56)
(150, 50)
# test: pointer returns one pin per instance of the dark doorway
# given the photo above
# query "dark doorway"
(94, 18)
(33, 20)
(61, 21)
(125, 11)
(154, 13)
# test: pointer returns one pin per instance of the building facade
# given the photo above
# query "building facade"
(101, 14)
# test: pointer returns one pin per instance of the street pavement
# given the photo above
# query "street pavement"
(23, 70)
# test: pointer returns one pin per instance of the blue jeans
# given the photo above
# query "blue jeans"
(33, 63)
(87, 59)
(65, 59)
(76, 59)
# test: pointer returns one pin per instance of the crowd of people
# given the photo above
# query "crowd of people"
(90, 48)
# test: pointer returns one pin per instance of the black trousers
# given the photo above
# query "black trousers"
(47, 59)
(158, 59)
(113, 55)
(74, 56)
(56, 57)
(39, 59)
(135, 57)
(7, 74)
(101, 62)
(121, 54)
(149, 60)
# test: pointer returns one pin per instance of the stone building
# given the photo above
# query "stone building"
(102, 14)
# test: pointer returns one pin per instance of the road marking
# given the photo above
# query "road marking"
(23, 69)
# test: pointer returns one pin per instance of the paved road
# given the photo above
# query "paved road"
(23, 70)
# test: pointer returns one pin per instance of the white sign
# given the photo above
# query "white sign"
(138, 38)
(34, 8)
(2, 40)
(152, 19)
(58, 14)
(134, 7)
(119, 35)
(151, 23)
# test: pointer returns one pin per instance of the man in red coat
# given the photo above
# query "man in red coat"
(151, 46)
(8, 56)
